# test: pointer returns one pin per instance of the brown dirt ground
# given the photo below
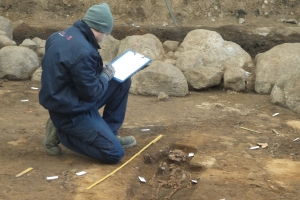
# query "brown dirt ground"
(206, 123)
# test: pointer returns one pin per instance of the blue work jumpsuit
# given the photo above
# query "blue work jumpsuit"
(73, 91)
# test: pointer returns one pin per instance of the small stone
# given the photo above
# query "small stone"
(263, 145)
(129, 21)
(291, 21)
(281, 20)
(267, 15)
(162, 96)
(241, 20)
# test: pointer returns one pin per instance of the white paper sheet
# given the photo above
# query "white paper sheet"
(128, 63)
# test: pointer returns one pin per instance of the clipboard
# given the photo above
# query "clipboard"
(128, 63)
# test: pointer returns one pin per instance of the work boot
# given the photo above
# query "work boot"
(127, 141)
(50, 141)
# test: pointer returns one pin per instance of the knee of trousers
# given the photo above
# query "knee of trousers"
(115, 157)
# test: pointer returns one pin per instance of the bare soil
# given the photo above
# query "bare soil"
(208, 123)
(41, 18)
(211, 123)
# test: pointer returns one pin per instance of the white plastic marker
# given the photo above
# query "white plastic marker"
(194, 181)
(191, 154)
(145, 129)
(24, 172)
(255, 147)
(34, 88)
(142, 179)
(80, 173)
(295, 139)
(275, 114)
(24, 100)
(52, 177)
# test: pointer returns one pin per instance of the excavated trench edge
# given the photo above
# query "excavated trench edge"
(242, 35)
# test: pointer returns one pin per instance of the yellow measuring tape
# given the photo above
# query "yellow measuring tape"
(152, 142)
(24, 172)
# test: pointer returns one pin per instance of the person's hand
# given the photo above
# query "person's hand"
(108, 72)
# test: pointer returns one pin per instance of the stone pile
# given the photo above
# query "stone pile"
(203, 60)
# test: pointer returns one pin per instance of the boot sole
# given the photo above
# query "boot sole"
(129, 145)
(51, 153)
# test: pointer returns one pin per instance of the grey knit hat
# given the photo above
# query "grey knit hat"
(99, 18)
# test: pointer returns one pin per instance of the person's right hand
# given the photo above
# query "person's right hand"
(108, 72)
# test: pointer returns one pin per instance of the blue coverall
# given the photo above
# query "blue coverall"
(73, 91)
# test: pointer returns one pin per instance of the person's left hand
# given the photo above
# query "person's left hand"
(108, 72)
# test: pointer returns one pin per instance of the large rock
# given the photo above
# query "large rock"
(109, 48)
(189, 59)
(6, 41)
(36, 76)
(17, 63)
(40, 52)
(235, 79)
(202, 40)
(29, 44)
(159, 77)
(271, 65)
(170, 45)
(148, 45)
(286, 91)
(214, 50)
(203, 77)
(41, 44)
(2, 32)
(7, 27)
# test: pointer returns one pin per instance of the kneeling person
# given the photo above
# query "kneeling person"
(75, 85)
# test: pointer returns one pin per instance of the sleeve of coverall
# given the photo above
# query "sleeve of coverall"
(89, 85)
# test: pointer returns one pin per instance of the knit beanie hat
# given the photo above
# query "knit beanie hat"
(99, 18)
